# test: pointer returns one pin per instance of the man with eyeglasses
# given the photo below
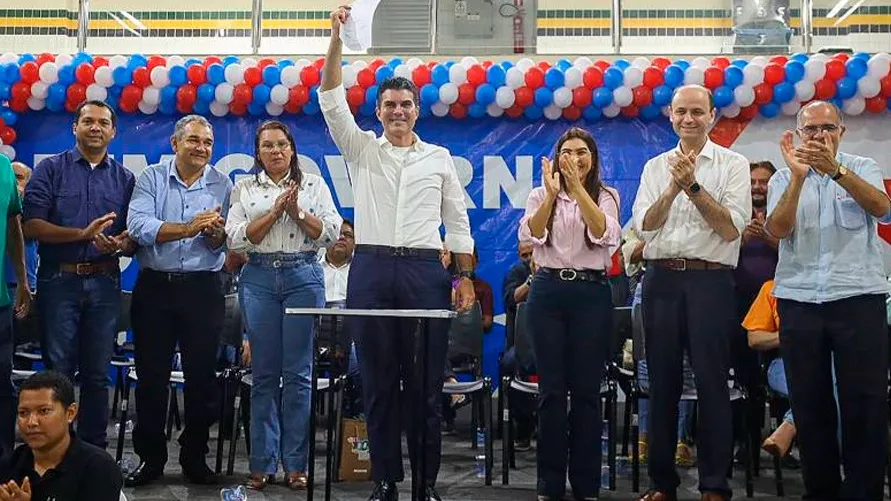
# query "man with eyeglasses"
(830, 289)
(691, 209)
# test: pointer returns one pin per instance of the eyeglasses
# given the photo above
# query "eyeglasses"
(270, 147)
(813, 130)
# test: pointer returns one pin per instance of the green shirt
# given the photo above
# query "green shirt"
(9, 198)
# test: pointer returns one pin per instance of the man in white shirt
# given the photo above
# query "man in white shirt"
(335, 260)
(692, 206)
(405, 189)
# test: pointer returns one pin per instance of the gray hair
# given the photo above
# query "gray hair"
(838, 112)
(180, 128)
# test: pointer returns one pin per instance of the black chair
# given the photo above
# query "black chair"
(120, 361)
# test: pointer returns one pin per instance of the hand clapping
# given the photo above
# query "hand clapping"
(682, 169)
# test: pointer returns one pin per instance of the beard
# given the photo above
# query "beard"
(759, 202)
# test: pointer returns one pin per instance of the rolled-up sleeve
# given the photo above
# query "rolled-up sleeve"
(38, 192)
(738, 195)
(454, 211)
(237, 220)
(142, 222)
(326, 211)
(647, 194)
(347, 135)
(608, 201)
(524, 233)
(870, 171)
(775, 189)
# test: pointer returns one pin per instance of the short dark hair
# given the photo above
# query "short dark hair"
(63, 390)
(764, 164)
(348, 223)
(397, 83)
(99, 104)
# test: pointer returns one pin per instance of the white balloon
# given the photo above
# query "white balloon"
(414, 63)
(290, 76)
(854, 106)
(633, 77)
(744, 95)
(505, 97)
(611, 111)
(753, 75)
(878, 67)
(8, 57)
(524, 64)
(279, 95)
(274, 109)
(7, 150)
(350, 76)
(814, 70)
(402, 71)
(118, 60)
(804, 90)
(701, 63)
(218, 109)
(640, 62)
(39, 90)
(515, 78)
(758, 61)
(48, 72)
(440, 109)
(147, 108)
(249, 62)
(819, 57)
(623, 96)
(96, 92)
(582, 63)
(869, 86)
(175, 61)
(731, 111)
(791, 108)
(469, 61)
(553, 112)
(152, 95)
(694, 75)
(103, 76)
(573, 77)
(494, 110)
(63, 59)
(359, 65)
(458, 74)
(222, 94)
(159, 76)
(562, 97)
(666, 111)
(448, 93)
(234, 74)
(36, 104)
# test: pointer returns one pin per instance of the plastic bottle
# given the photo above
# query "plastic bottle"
(234, 493)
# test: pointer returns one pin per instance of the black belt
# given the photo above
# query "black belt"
(571, 275)
(178, 276)
(385, 250)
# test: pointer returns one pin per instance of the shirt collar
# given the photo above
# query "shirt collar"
(266, 180)
(78, 156)
(416, 146)
(708, 149)
(27, 457)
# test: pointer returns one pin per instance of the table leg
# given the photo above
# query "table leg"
(419, 481)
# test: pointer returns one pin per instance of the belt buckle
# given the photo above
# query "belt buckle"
(276, 263)
(83, 268)
(683, 266)
(568, 274)
(400, 251)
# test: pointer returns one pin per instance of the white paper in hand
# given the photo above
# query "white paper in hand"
(356, 32)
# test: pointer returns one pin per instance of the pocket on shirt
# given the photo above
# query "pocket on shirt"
(68, 205)
(849, 214)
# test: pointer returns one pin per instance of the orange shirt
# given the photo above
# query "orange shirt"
(763, 314)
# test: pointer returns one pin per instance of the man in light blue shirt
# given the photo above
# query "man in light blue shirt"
(831, 289)
(177, 215)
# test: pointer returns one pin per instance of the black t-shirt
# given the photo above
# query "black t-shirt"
(86, 473)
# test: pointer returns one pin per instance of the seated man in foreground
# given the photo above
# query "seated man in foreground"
(53, 464)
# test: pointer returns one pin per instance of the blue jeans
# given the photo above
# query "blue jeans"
(776, 379)
(79, 321)
(685, 407)
(281, 358)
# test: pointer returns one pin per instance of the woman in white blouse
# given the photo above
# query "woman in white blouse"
(281, 217)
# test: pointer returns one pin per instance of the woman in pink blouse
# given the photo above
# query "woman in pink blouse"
(572, 223)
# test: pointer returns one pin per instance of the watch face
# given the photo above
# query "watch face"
(694, 187)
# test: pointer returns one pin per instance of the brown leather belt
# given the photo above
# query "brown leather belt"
(681, 264)
(91, 267)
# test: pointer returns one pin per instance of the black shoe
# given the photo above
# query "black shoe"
(431, 494)
(144, 474)
(384, 491)
(199, 474)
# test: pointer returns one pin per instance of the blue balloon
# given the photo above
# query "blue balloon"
(592, 113)
(862, 55)
(229, 60)
(801, 57)
(115, 91)
(216, 74)
(66, 74)
(261, 94)
(837, 102)
(543, 97)
(507, 65)
(367, 110)
(272, 75)
(11, 73)
(485, 94)
(674, 75)
(26, 57)
(201, 107)
(723, 96)
(383, 73)
(55, 92)
(314, 94)
(121, 75)
(4, 91)
(178, 76)
(533, 113)
(769, 110)
(554, 78)
(256, 109)
(9, 117)
(83, 56)
(371, 95)
(564, 64)
(312, 108)
(847, 87)
(284, 63)
(794, 71)
(652, 111)
(476, 110)
(621, 64)
(136, 60)
(191, 61)
(394, 62)
(783, 92)
(613, 78)
(429, 95)
(206, 92)
(739, 63)
(496, 76)
(449, 64)
(682, 64)
(439, 75)
(168, 94)
(661, 95)
(733, 76)
(167, 107)
(856, 68)
(603, 97)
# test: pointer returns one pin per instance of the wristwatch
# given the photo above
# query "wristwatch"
(839, 173)
(464, 274)
(694, 188)
(301, 215)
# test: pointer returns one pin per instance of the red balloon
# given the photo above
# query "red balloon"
(7, 135)
(237, 108)
(653, 77)
(45, 57)
(377, 63)
(356, 96)
(458, 111)
(582, 97)
(421, 76)
(266, 61)
(18, 106)
(2, 123)
(781, 60)
(128, 106)
(141, 77)
(319, 63)
(183, 107)
(209, 60)
(763, 93)
(630, 111)
(824, 89)
(293, 108)
(886, 85)
(876, 104)
(515, 111)
(534, 78)
(99, 61)
(476, 75)
(253, 76)
(593, 77)
(155, 61)
(841, 56)
(714, 77)
(572, 113)
(835, 69)
(243, 94)
(187, 94)
(487, 64)
(131, 94)
(661, 62)
(749, 112)
(30, 72)
(84, 73)
(603, 65)
(70, 106)
(721, 62)
(466, 94)
(524, 96)
(309, 75)
(365, 78)
(197, 74)
(299, 95)
(77, 93)
(643, 96)
(431, 64)
(774, 73)
(20, 91)
(544, 65)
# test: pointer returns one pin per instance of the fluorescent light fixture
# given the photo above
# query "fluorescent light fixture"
(838, 7)
(849, 12)
(123, 25)
(136, 22)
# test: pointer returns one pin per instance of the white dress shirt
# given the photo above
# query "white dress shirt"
(724, 175)
(336, 279)
(401, 200)
(254, 196)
